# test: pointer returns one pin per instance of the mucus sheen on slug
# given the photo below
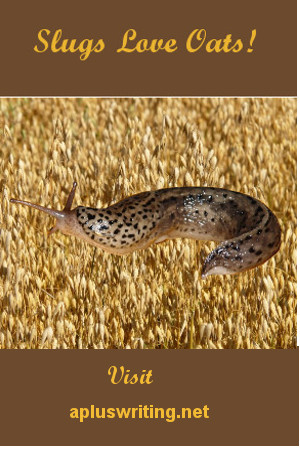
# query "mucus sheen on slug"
(248, 230)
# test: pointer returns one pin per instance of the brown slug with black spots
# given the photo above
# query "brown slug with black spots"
(249, 232)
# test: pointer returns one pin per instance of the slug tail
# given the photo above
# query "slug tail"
(246, 251)
(216, 266)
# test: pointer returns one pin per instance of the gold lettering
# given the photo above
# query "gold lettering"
(74, 413)
(145, 45)
(214, 45)
(85, 47)
(200, 37)
(83, 414)
(129, 35)
(127, 377)
(55, 40)
(132, 380)
(197, 413)
(42, 40)
(206, 409)
(113, 372)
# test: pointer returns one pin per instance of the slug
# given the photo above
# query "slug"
(249, 232)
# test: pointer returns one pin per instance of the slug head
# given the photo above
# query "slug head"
(65, 219)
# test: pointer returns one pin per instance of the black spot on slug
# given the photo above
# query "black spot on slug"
(257, 211)
(149, 202)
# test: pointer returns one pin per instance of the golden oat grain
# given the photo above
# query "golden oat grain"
(59, 292)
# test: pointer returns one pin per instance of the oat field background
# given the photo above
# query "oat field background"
(59, 292)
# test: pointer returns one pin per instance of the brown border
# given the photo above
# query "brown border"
(270, 70)
(252, 396)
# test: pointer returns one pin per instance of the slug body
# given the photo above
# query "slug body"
(249, 232)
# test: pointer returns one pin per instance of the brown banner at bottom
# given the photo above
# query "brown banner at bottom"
(130, 397)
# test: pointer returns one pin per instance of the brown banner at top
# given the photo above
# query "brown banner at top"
(148, 48)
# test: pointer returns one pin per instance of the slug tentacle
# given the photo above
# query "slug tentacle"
(71, 197)
(64, 218)
(249, 231)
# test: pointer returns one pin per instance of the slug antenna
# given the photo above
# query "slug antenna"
(52, 212)
(70, 198)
